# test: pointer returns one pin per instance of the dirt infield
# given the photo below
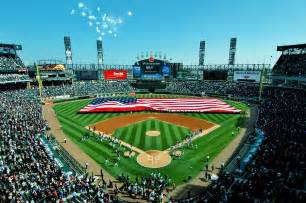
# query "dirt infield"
(110, 125)
(154, 159)
(153, 133)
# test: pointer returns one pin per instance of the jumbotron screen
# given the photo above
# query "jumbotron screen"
(215, 75)
(151, 69)
(86, 75)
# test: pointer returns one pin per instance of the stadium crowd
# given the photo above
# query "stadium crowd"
(87, 88)
(4, 78)
(28, 173)
(9, 62)
(234, 89)
(291, 65)
(277, 171)
(227, 88)
(150, 188)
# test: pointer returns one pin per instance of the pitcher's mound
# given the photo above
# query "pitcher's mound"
(154, 159)
(153, 133)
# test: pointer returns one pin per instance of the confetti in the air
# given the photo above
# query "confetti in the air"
(81, 5)
(102, 22)
(91, 17)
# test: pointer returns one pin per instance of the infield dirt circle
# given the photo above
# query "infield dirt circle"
(153, 133)
(154, 159)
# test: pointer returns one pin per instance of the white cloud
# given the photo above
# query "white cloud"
(92, 17)
(81, 5)
(104, 16)
(98, 30)
(105, 25)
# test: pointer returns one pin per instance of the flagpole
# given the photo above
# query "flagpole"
(261, 81)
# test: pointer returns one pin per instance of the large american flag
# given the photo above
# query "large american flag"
(207, 105)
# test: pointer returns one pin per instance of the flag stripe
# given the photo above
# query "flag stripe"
(166, 105)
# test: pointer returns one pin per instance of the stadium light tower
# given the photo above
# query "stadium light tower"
(232, 51)
(202, 53)
(68, 51)
(100, 52)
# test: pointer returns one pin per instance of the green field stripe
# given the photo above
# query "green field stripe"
(131, 137)
(71, 107)
(145, 140)
(219, 118)
(141, 130)
(210, 117)
(167, 136)
(179, 133)
(149, 143)
(148, 126)
(158, 141)
(85, 118)
(127, 133)
(174, 136)
(137, 136)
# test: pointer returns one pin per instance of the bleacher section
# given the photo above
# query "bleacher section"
(10, 62)
(13, 78)
(290, 69)
(291, 65)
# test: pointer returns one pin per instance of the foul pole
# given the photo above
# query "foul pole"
(39, 81)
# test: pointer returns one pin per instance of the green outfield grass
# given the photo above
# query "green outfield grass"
(135, 134)
(191, 163)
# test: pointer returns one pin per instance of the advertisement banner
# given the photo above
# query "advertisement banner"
(53, 67)
(136, 71)
(250, 76)
(166, 71)
(115, 74)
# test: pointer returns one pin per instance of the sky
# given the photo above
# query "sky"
(174, 27)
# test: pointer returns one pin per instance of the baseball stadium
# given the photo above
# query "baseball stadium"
(154, 129)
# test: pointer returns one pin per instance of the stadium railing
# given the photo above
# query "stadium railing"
(71, 162)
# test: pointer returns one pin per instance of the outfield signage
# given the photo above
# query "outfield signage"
(115, 74)
(251, 76)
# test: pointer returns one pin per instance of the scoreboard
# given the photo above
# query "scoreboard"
(151, 67)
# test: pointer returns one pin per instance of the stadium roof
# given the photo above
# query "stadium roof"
(12, 46)
(295, 46)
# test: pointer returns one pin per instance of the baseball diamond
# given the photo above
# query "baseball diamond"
(107, 136)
